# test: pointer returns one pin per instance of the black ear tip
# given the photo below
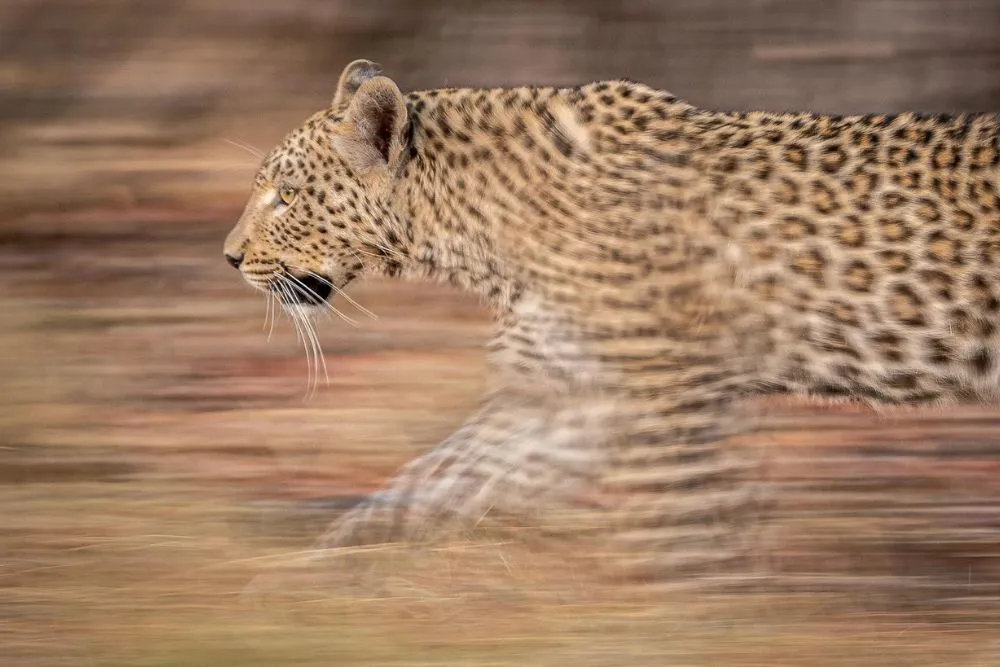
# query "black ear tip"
(364, 62)
(353, 77)
(360, 71)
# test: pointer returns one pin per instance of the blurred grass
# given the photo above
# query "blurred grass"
(157, 452)
(151, 577)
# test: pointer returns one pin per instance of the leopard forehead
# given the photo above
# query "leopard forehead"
(325, 200)
(304, 156)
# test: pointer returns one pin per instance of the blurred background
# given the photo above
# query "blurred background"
(158, 447)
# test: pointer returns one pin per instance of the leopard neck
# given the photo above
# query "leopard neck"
(465, 186)
(491, 190)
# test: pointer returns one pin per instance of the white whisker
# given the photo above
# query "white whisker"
(273, 304)
(348, 298)
(358, 257)
(365, 252)
(303, 289)
(301, 319)
(293, 316)
(267, 312)
(317, 351)
(338, 291)
(256, 152)
(388, 251)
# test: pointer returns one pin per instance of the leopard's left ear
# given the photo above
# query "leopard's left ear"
(372, 135)
(355, 74)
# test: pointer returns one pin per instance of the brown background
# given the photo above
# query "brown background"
(121, 98)
(155, 448)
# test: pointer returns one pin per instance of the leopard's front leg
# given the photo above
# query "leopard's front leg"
(538, 442)
(517, 453)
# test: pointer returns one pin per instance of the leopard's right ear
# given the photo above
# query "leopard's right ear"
(351, 79)
(371, 136)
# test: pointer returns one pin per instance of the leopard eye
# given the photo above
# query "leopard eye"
(286, 194)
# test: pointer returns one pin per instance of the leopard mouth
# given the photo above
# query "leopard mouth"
(305, 290)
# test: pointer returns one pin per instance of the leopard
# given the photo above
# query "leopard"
(650, 266)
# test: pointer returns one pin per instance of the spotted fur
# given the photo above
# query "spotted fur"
(649, 264)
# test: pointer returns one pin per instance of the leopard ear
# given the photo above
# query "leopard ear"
(372, 133)
(351, 79)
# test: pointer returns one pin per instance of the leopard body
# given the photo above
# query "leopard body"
(649, 265)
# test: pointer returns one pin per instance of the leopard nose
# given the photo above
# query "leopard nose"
(234, 260)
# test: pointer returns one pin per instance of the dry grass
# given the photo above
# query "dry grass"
(151, 575)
